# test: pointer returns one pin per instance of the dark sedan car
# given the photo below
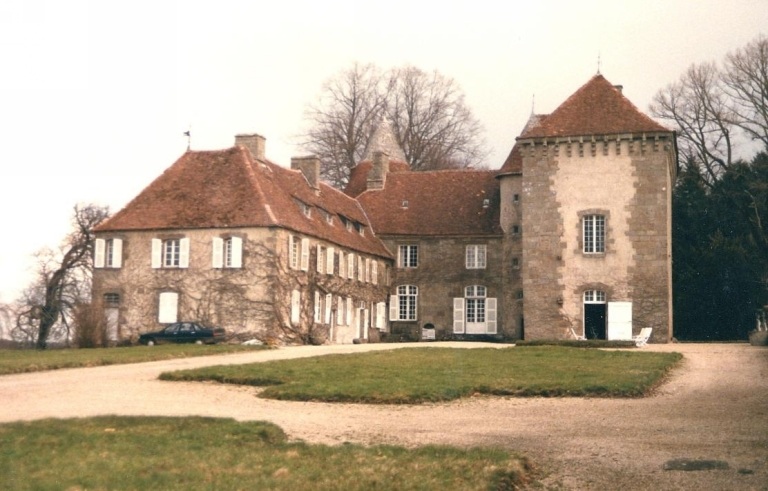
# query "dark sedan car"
(183, 332)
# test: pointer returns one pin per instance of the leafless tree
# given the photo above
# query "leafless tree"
(427, 112)
(712, 107)
(63, 281)
(698, 106)
(745, 80)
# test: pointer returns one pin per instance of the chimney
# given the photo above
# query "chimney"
(254, 143)
(620, 88)
(310, 167)
(377, 176)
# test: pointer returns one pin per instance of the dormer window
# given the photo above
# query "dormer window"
(328, 217)
(349, 226)
(486, 203)
(404, 204)
(360, 228)
(306, 210)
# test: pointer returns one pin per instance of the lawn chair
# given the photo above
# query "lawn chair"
(642, 338)
(578, 337)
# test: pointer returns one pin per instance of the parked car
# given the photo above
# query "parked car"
(184, 332)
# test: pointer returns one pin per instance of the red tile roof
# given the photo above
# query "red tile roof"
(228, 188)
(514, 162)
(358, 176)
(597, 108)
(439, 203)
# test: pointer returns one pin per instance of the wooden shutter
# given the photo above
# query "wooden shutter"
(360, 269)
(237, 252)
(458, 315)
(292, 260)
(375, 272)
(99, 247)
(328, 305)
(305, 254)
(381, 315)
(367, 270)
(351, 266)
(319, 259)
(218, 252)
(184, 252)
(350, 316)
(394, 307)
(340, 311)
(342, 265)
(157, 253)
(117, 253)
(490, 315)
(330, 258)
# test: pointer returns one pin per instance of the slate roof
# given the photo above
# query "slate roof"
(228, 188)
(439, 203)
(597, 108)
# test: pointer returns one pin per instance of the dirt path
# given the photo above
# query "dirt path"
(714, 407)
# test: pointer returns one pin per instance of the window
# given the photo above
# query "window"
(515, 263)
(328, 308)
(475, 257)
(168, 308)
(515, 229)
(475, 305)
(170, 253)
(298, 253)
(111, 299)
(474, 314)
(402, 307)
(108, 253)
(594, 234)
(318, 307)
(305, 209)
(321, 260)
(594, 296)
(227, 253)
(409, 256)
(330, 258)
(515, 198)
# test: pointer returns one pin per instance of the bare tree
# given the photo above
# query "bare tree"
(699, 108)
(745, 80)
(427, 112)
(63, 280)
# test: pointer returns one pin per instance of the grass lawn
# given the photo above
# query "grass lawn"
(19, 361)
(205, 453)
(418, 375)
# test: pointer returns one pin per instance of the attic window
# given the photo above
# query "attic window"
(305, 208)
(404, 203)
(360, 228)
(515, 198)
(349, 225)
(328, 217)
(486, 203)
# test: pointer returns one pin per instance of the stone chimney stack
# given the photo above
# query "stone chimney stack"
(254, 143)
(310, 167)
(377, 176)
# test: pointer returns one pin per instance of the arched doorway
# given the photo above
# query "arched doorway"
(594, 314)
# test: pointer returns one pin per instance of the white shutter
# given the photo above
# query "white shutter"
(168, 308)
(381, 313)
(360, 269)
(218, 252)
(330, 257)
(481, 256)
(350, 316)
(237, 252)
(184, 252)
(157, 253)
(319, 259)
(328, 305)
(305, 254)
(99, 247)
(490, 315)
(458, 315)
(342, 265)
(375, 272)
(340, 311)
(351, 266)
(367, 270)
(317, 307)
(394, 307)
(117, 253)
(619, 321)
(295, 307)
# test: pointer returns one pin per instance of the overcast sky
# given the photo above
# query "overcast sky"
(95, 95)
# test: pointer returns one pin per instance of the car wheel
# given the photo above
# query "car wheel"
(151, 342)
(199, 341)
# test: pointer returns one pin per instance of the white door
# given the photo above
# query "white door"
(111, 318)
(619, 321)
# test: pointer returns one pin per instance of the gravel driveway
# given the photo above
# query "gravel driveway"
(713, 408)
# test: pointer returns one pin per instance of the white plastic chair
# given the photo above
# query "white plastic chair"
(642, 338)
(578, 337)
